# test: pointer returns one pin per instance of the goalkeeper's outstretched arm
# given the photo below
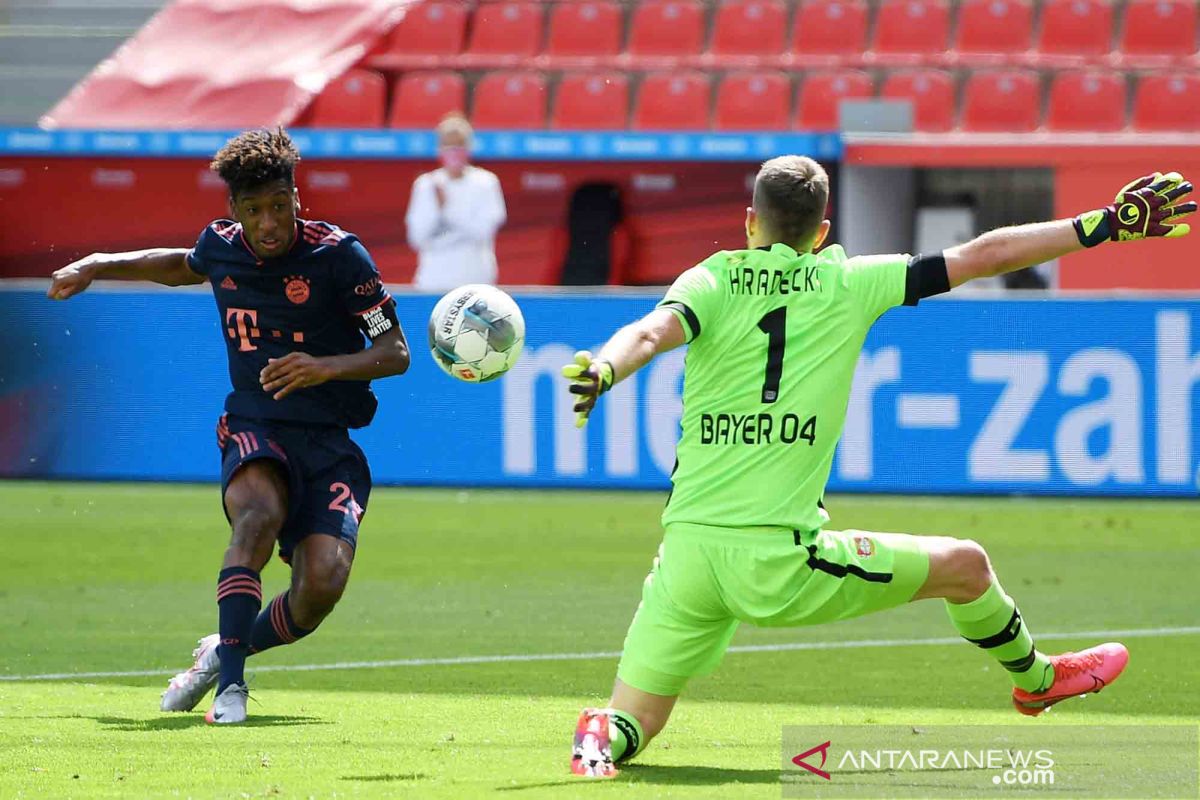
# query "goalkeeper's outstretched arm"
(1148, 207)
(629, 349)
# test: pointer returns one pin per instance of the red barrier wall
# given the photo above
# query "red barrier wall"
(59, 209)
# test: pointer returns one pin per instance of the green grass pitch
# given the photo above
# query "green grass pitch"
(120, 578)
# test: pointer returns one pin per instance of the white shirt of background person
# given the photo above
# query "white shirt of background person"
(453, 215)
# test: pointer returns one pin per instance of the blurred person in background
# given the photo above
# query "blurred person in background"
(454, 214)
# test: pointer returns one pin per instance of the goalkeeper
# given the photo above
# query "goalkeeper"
(775, 332)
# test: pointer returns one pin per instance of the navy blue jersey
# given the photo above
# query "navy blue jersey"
(312, 299)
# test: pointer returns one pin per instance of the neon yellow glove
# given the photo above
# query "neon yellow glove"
(1144, 208)
(590, 377)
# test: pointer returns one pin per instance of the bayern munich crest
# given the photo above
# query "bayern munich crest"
(296, 288)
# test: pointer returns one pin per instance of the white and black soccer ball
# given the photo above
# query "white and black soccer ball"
(476, 333)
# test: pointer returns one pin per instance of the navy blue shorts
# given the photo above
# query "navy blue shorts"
(329, 481)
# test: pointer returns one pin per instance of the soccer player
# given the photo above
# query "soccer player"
(774, 333)
(296, 299)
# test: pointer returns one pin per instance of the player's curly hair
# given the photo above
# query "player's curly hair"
(790, 195)
(255, 158)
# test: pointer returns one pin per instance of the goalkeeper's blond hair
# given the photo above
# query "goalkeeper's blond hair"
(790, 196)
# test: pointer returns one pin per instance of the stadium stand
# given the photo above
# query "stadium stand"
(821, 92)
(908, 30)
(421, 99)
(992, 31)
(356, 99)
(1001, 100)
(510, 100)
(48, 47)
(672, 101)
(1073, 29)
(932, 95)
(428, 33)
(746, 32)
(1167, 103)
(220, 63)
(748, 101)
(1089, 100)
(825, 28)
(826, 49)
(594, 101)
(583, 32)
(505, 33)
(1157, 31)
(662, 29)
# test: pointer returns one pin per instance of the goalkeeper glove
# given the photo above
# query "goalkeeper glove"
(590, 377)
(1144, 208)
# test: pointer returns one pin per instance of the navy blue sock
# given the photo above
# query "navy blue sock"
(239, 596)
(275, 626)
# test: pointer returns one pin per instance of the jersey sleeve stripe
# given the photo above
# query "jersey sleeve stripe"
(687, 316)
(363, 313)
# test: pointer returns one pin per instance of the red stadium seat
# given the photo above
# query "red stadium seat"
(1167, 103)
(666, 28)
(932, 94)
(500, 30)
(817, 109)
(753, 101)
(1155, 29)
(421, 99)
(596, 102)
(356, 99)
(911, 30)
(826, 28)
(1001, 100)
(1087, 101)
(588, 29)
(1072, 28)
(672, 101)
(749, 29)
(991, 27)
(510, 100)
(436, 27)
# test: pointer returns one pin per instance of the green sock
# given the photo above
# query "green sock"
(625, 735)
(992, 622)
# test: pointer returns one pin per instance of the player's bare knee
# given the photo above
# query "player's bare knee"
(316, 592)
(320, 596)
(973, 568)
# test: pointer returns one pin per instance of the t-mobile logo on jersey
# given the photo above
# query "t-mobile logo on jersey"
(242, 322)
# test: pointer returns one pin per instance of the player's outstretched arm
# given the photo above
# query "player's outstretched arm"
(1148, 207)
(165, 265)
(630, 349)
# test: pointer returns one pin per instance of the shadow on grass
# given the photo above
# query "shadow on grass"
(387, 777)
(697, 776)
(177, 722)
(667, 775)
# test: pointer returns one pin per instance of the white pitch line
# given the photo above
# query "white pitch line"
(1129, 633)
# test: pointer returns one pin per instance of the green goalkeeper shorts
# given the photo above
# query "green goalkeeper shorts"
(705, 580)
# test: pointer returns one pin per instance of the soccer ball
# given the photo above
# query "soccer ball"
(476, 333)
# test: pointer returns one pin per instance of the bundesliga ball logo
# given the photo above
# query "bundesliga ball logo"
(476, 333)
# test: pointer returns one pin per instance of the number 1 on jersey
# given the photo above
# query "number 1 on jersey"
(774, 325)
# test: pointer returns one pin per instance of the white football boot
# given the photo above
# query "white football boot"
(187, 689)
(229, 706)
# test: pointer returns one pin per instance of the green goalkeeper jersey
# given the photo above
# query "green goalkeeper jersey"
(774, 338)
